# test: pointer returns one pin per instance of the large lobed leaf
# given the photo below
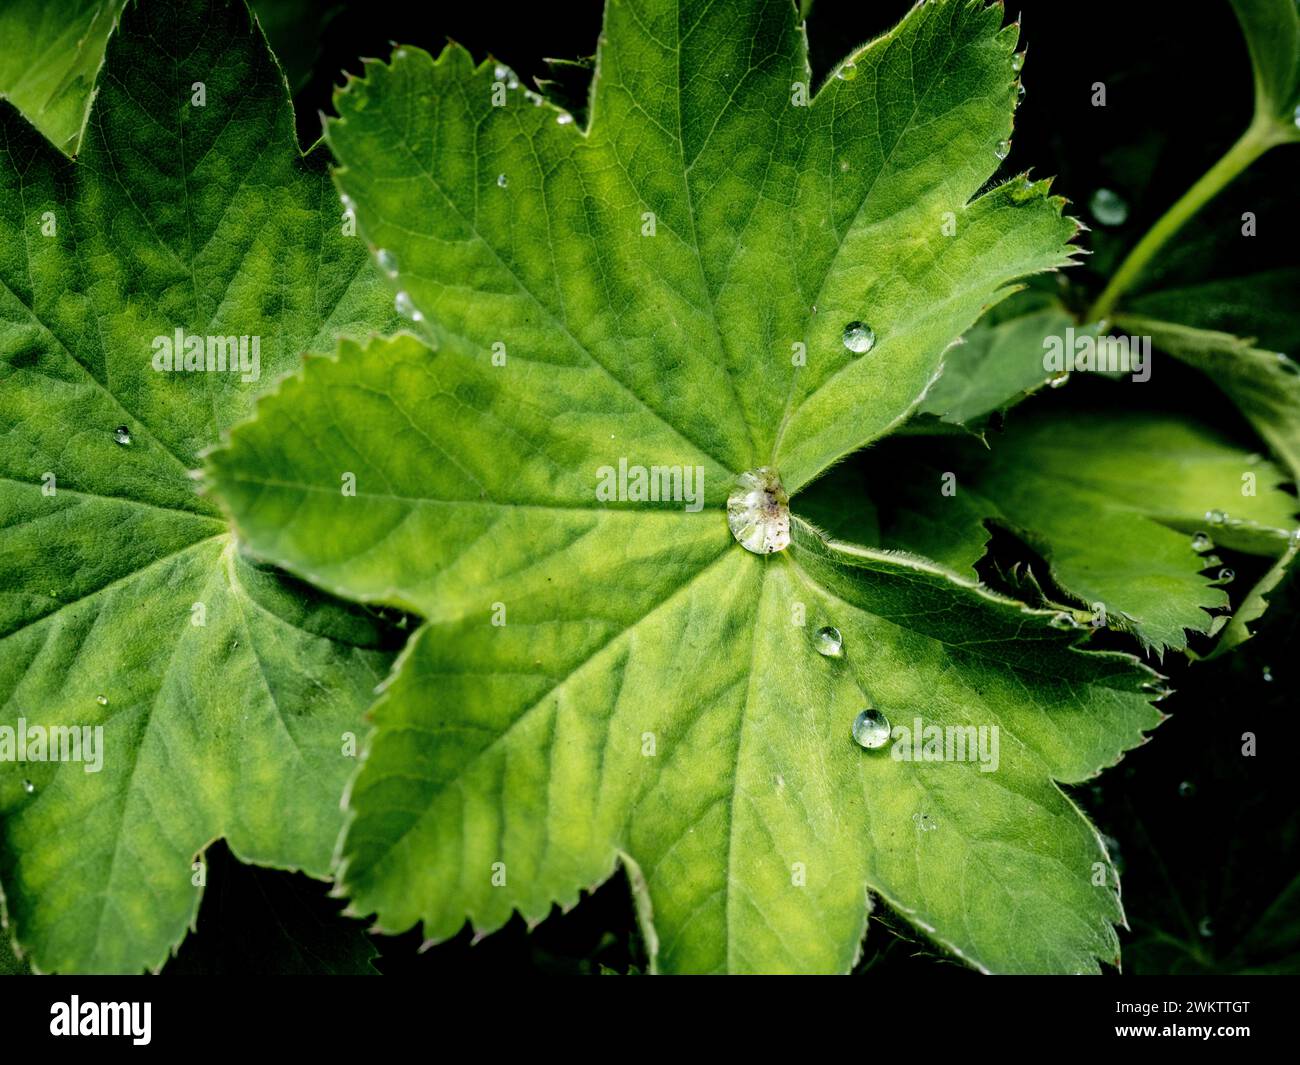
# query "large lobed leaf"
(603, 681)
(225, 719)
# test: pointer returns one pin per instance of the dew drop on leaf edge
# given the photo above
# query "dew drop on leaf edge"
(1202, 543)
(871, 729)
(122, 436)
(829, 642)
(1002, 149)
(859, 337)
(387, 261)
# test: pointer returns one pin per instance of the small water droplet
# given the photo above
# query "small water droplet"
(924, 822)
(1020, 90)
(829, 642)
(563, 119)
(859, 337)
(29, 787)
(387, 261)
(1297, 115)
(758, 512)
(499, 72)
(1002, 149)
(1216, 517)
(1059, 379)
(1108, 207)
(1225, 576)
(1288, 364)
(406, 308)
(1064, 620)
(871, 729)
(122, 435)
(102, 700)
(502, 181)
(847, 72)
(1205, 928)
(1201, 543)
(1018, 61)
(1186, 789)
(347, 203)
(1267, 675)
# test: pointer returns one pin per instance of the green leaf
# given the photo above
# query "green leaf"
(1265, 385)
(1260, 597)
(50, 55)
(600, 681)
(1272, 29)
(1110, 499)
(999, 363)
(223, 688)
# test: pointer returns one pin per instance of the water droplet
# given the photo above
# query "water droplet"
(563, 119)
(1059, 379)
(1018, 61)
(1267, 675)
(1297, 115)
(387, 261)
(1108, 207)
(1205, 928)
(1186, 789)
(499, 72)
(924, 822)
(1288, 364)
(1201, 543)
(122, 435)
(406, 308)
(871, 729)
(1216, 517)
(502, 180)
(29, 787)
(1225, 576)
(1002, 149)
(347, 203)
(859, 337)
(848, 71)
(758, 512)
(1020, 90)
(1064, 620)
(829, 642)
(102, 700)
